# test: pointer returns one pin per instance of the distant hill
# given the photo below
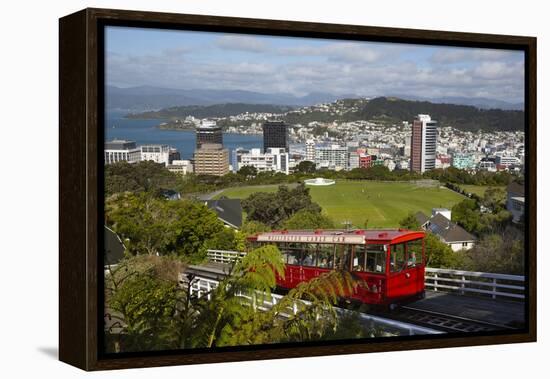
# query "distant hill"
(388, 110)
(146, 98)
(479, 102)
(462, 117)
(216, 110)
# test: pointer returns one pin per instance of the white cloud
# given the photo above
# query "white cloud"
(458, 55)
(338, 68)
(341, 51)
(242, 43)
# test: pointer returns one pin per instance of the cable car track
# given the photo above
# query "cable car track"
(444, 322)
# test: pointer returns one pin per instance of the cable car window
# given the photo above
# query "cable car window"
(325, 256)
(398, 257)
(283, 248)
(369, 258)
(294, 254)
(310, 255)
(343, 257)
(414, 253)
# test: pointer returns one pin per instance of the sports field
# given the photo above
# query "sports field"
(477, 190)
(381, 204)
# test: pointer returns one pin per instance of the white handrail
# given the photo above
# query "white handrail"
(224, 256)
(203, 286)
(463, 282)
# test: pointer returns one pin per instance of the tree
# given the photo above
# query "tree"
(154, 313)
(410, 222)
(144, 176)
(251, 227)
(494, 198)
(306, 167)
(306, 219)
(467, 215)
(499, 252)
(440, 255)
(141, 294)
(156, 226)
(225, 239)
(248, 172)
(273, 209)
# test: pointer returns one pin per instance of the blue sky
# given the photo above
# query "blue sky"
(267, 64)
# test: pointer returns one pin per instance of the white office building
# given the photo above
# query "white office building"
(507, 161)
(274, 159)
(155, 153)
(334, 157)
(353, 160)
(121, 150)
(181, 166)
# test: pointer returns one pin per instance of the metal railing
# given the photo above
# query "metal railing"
(480, 283)
(203, 287)
(224, 256)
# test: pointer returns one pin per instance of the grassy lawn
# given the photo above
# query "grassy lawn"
(383, 204)
(477, 190)
(243, 192)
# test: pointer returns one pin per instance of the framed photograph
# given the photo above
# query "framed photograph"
(240, 189)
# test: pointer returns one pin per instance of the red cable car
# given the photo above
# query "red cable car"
(390, 262)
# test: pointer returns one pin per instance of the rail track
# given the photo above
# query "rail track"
(444, 322)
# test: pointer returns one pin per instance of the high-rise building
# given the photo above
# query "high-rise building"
(121, 150)
(310, 150)
(423, 143)
(208, 132)
(275, 135)
(211, 159)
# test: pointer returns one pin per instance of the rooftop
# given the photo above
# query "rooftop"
(516, 188)
(228, 210)
(448, 230)
(359, 236)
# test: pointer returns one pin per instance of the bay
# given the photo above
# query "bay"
(146, 132)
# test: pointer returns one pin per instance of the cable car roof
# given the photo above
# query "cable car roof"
(358, 236)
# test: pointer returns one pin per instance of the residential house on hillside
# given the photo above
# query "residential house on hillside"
(449, 232)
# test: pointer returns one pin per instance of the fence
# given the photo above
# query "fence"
(224, 256)
(480, 283)
(203, 287)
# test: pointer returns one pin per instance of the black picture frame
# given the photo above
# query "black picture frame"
(81, 99)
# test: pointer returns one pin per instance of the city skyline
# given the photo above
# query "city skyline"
(300, 66)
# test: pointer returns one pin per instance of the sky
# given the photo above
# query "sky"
(299, 66)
